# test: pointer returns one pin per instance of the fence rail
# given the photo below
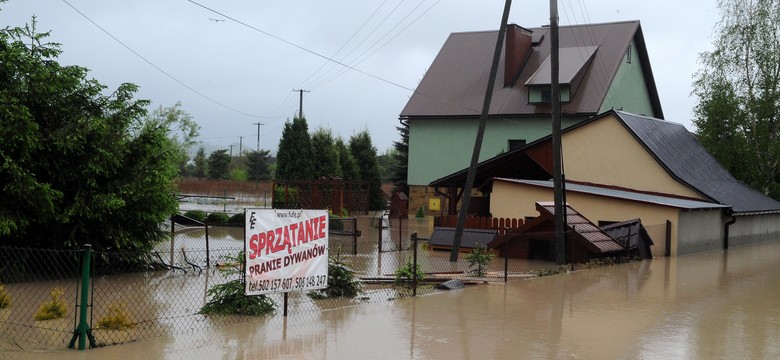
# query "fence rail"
(136, 296)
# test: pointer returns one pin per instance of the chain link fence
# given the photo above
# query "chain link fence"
(136, 296)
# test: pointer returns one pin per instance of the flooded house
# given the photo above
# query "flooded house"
(621, 166)
(603, 66)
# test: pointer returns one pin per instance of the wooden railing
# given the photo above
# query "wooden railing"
(480, 222)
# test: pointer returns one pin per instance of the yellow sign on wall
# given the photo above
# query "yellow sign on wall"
(434, 204)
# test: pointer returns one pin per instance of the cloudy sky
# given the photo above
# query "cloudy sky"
(236, 63)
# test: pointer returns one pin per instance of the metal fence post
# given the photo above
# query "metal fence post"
(379, 231)
(506, 259)
(208, 257)
(400, 234)
(82, 331)
(354, 236)
(414, 266)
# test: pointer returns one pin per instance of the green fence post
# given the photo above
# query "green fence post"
(82, 331)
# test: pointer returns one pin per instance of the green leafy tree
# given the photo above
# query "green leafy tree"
(219, 161)
(349, 167)
(400, 170)
(364, 153)
(294, 157)
(257, 165)
(738, 112)
(324, 154)
(78, 164)
(201, 164)
(183, 131)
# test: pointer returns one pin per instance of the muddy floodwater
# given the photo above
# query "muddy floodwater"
(712, 305)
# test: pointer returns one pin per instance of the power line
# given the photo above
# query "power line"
(159, 68)
(300, 47)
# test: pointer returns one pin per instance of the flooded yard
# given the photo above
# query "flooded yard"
(703, 306)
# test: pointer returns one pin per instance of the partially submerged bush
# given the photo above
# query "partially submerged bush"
(237, 219)
(117, 319)
(341, 282)
(54, 308)
(405, 275)
(5, 299)
(481, 257)
(199, 215)
(217, 218)
(229, 298)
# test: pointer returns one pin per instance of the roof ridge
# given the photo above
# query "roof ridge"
(545, 27)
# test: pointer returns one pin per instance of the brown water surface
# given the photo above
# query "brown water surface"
(711, 305)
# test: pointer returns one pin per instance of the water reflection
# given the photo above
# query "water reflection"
(702, 306)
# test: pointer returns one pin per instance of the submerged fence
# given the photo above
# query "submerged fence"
(135, 296)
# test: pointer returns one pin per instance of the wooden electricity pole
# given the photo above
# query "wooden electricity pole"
(559, 187)
(464, 206)
(300, 102)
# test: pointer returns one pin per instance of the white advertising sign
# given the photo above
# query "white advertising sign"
(286, 250)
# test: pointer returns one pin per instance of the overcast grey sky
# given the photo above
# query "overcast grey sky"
(252, 68)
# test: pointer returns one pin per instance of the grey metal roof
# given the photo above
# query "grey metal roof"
(455, 83)
(572, 61)
(686, 204)
(472, 238)
(676, 149)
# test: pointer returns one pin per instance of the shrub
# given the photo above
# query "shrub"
(405, 274)
(5, 299)
(229, 298)
(117, 318)
(237, 219)
(481, 257)
(217, 218)
(238, 174)
(54, 308)
(341, 282)
(335, 224)
(199, 215)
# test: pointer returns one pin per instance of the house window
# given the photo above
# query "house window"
(543, 94)
(546, 95)
(515, 144)
(628, 54)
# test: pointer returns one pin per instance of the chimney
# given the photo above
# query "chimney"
(518, 47)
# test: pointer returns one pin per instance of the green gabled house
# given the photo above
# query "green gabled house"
(602, 67)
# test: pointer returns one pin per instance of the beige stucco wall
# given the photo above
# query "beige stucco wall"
(518, 200)
(604, 152)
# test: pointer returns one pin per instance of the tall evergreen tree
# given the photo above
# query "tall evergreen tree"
(294, 157)
(257, 165)
(201, 164)
(738, 113)
(324, 154)
(364, 153)
(349, 166)
(400, 171)
(219, 162)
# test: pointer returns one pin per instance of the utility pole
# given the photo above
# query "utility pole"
(258, 134)
(559, 187)
(231, 151)
(257, 156)
(464, 205)
(240, 146)
(300, 101)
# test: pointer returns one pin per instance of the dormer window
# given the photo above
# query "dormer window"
(573, 64)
